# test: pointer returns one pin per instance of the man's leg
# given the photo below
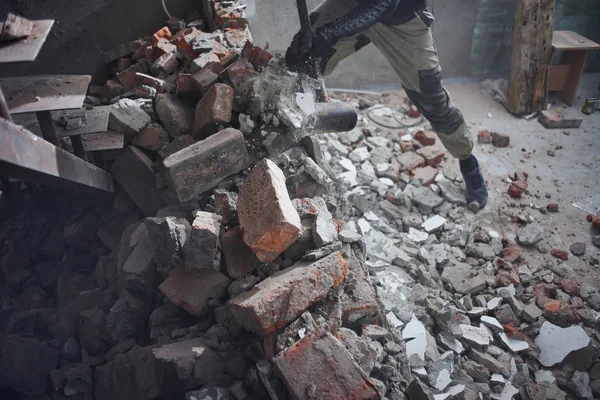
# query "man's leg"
(411, 51)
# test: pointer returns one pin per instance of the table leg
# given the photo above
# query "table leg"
(78, 148)
(47, 126)
(576, 59)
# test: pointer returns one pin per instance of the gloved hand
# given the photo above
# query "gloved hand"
(302, 50)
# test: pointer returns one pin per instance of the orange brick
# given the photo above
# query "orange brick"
(162, 33)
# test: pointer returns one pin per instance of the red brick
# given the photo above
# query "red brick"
(215, 67)
(268, 219)
(426, 138)
(153, 138)
(238, 72)
(258, 57)
(505, 278)
(184, 40)
(143, 79)
(123, 64)
(162, 33)
(413, 112)
(205, 79)
(192, 290)
(213, 110)
(199, 167)
(561, 254)
(239, 258)
(589, 218)
(411, 161)
(178, 144)
(433, 156)
(553, 207)
(517, 189)
(165, 64)
(200, 249)
(176, 114)
(500, 140)
(425, 175)
(188, 87)
(163, 47)
(484, 137)
(321, 362)
(201, 61)
(282, 297)
(133, 170)
(361, 303)
(225, 14)
(569, 287)
(219, 50)
(127, 77)
(511, 254)
(406, 147)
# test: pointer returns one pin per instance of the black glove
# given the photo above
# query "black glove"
(302, 50)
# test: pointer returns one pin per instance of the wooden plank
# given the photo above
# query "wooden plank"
(44, 92)
(557, 75)
(26, 49)
(96, 121)
(576, 59)
(25, 156)
(531, 56)
(108, 140)
(569, 40)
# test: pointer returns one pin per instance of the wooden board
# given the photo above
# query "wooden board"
(569, 40)
(25, 156)
(44, 92)
(108, 140)
(26, 49)
(531, 56)
(96, 121)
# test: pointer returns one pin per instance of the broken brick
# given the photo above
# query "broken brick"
(163, 47)
(205, 79)
(176, 115)
(517, 189)
(561, 254)
(500, 140)
(553, 207)
(238, 72)
(569, 287)
(143, 79)
(153, 137)
(282, 297)
(426, 175)
(511, 254)
(307, 367)
(360, 305)
(268, 219)
(484, 137)
(258, 57)
(411, 161)
(165, 64)
(202, 61)
(212, 111)
(184, 39)
(127, 77)
(406, 147)
(426, 138)
(239, 258)
(200, 166)
(200, 250)
(178, 144)
(192, 290)
(413, 112)
(188, 87)
(162, 33)
(133, 170)
(559, 118)
(123, 64)
(433, 156)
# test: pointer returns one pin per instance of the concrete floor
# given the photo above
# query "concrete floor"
(573, 175)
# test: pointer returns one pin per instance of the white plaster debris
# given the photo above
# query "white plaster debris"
(453, 391)
(371, 216)
(475, 336)
(347, 164)
(513, 345)
(415, 337)
(363, 226)
(306, 102)
(417, 236)
(494, 303)
(433, 224)
(451, 342)
(406, 138)
(393, 320)
(556, 343)
(382, 167)
(359, 155)
(387, 182)
(492, 323)
(368, 169)
(349, 178)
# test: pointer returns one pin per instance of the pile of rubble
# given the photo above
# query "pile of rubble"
(478, 320)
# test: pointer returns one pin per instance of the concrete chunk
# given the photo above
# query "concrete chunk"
(556, 343)
(559, 119)
(200, 250)
(463, 279)
(307, 367)
(282, 297)
(199, 167)
(176, 115)
(268, 219)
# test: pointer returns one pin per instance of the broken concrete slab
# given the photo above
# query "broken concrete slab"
(530, 234)
(475, 336)
(556, 343)
(282, 297)
(559, 118)
(268, 219)
(463, 278)
(452, 192)
(202, 246)
(199, 167)
(426, 199)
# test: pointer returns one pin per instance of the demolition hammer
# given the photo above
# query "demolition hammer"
(328, 116)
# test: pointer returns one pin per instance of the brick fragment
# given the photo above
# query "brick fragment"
(484, 137)
(413, 112)
(500, 140)
(258, 57)
(569, 287)
(212, 111)
(553, 207)
(200, 250)
(282, 297)
(176, 114)
(426, 138)
(517, 189)
(143, 79)
(123, 50)
(184, 39)
(559, 118)
(406, 147)
(200, 166)
(511, 254)
(133, 170)
(202, 61)
(153, 137)
(163, 47)
(426, 175)
(205, 79)
(127, 77)
(124, 63)
(238, 72)
(188, 87)
(192, 290)
(239, 258)
(360, 305)
(165, 64)
(410, 161)
(560, 254)
(178, 144)
(268, 219)
(433, 156)
(162, 33)
(307, 367)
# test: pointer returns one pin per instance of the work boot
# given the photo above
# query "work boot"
(477, 194)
